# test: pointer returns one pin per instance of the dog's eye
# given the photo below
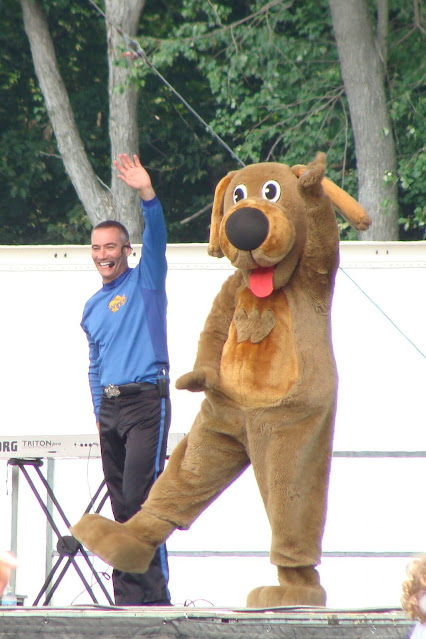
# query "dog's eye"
(271, 191)
(240, 193)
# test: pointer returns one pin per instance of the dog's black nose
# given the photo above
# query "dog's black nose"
(247, 228)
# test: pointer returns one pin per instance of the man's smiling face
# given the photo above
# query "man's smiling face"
(109, 253)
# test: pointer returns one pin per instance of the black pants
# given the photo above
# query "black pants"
(133, 437)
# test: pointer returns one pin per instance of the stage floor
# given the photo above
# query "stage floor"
(112, 622)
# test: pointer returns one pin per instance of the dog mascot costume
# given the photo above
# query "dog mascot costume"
(265, 363)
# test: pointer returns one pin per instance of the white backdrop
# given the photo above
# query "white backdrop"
(373, 503)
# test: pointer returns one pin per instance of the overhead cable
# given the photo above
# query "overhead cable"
(136, 49)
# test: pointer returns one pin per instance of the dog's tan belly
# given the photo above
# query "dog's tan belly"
(259, 362)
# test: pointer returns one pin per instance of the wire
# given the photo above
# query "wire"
(103, 574)
(191, 602)
(382, 312)
(137, 50)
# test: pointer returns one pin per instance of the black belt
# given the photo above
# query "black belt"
(127, 389)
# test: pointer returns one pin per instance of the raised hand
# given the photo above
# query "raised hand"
(135, 175)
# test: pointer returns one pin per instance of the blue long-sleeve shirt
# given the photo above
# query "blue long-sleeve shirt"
(125, 321)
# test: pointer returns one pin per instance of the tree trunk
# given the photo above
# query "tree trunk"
(382, 31)
(123, 97)
(97, 201)
(120, 203)
(363, 77)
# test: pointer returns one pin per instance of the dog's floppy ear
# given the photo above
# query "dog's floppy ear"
(217, 214)
(348, 208)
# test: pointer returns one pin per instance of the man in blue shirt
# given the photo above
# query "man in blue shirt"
(125, 324)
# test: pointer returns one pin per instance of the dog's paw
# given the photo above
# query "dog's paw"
(200, 379)
(314, 172)
(291, 595)
(115, 543)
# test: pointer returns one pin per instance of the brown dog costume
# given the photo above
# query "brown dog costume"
(265, 363)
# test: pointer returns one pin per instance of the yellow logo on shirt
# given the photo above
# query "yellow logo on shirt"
(117, 302)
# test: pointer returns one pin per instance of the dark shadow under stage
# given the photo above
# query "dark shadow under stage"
(92, 622)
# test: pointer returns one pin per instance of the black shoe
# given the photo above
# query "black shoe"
(161, 602)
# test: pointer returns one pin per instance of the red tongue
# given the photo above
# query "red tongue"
(260, 281)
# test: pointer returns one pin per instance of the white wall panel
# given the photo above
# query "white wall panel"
(374, 516)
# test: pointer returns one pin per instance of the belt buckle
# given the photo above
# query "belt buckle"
(112, 391)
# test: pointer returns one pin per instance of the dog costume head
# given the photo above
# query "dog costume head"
(259, 221)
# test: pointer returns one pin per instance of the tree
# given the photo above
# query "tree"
(123, 102)
(362, 62)
(275, 76)
(99, 202)
(266, 77)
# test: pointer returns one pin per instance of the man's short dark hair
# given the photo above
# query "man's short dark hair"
(113, 224)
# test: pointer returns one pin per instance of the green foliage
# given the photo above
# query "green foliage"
(264, 76)
(407, 109)
(37, 201)
(276, 91)
(269, 82)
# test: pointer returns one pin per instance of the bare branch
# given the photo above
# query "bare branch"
(197, 214)
(264, 9)
(233, 25)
